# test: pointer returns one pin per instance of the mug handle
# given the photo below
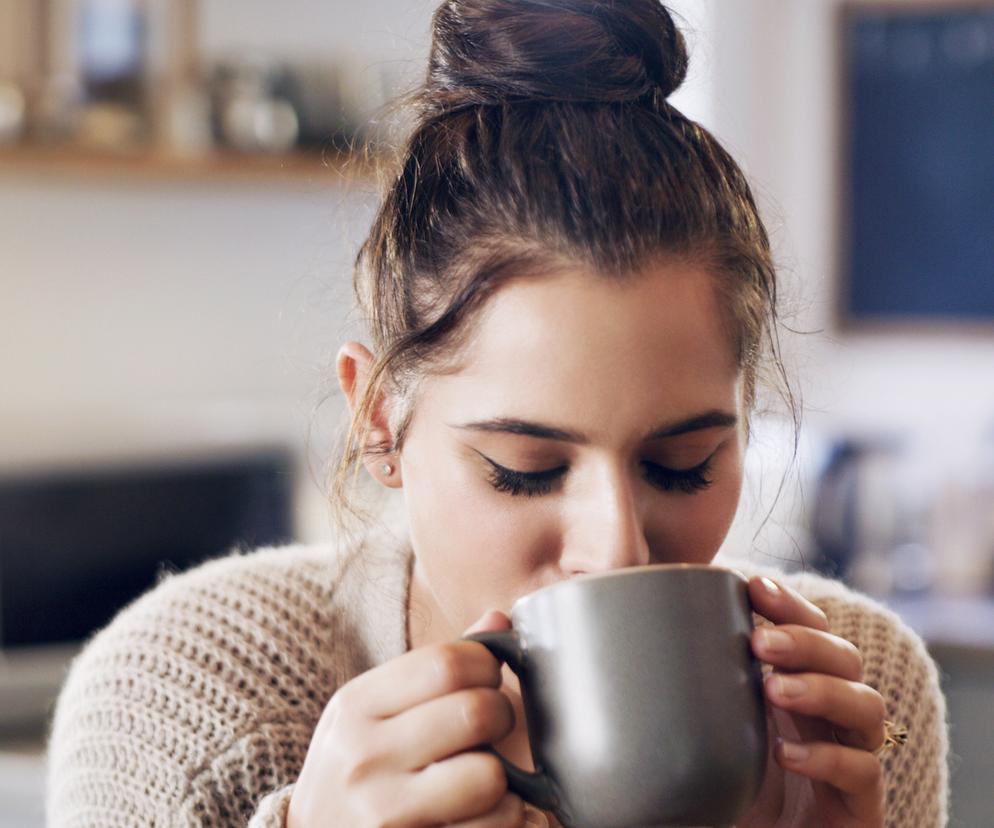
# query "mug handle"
(536, 788)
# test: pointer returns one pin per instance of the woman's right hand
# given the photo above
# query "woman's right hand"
(395, 745)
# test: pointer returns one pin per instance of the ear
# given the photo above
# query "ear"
(354, 365)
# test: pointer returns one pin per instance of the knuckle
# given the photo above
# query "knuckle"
(492, 780)
(340, 700)
(879, 706)
(368, 807)
(346, 700)
(874, 712)
(449, 667)
(512, 809)
(855, 657)
(874, 774)
(340, 723)
(478, 711)
(834, 763)
(374, 813)
(821, 619)
(358, 767)
(877, 772)
(506, 712)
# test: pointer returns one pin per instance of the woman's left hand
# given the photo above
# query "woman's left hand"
(817, 678)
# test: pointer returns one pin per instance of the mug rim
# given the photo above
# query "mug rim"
(630, 570)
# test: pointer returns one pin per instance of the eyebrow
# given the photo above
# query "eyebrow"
(510, 425)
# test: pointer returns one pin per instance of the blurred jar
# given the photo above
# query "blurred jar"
(113, 44)
(962, 526)
(58, 110)
(250, 106)
(872, 516)
(13, 113)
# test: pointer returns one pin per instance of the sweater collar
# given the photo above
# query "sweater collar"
(373, 587)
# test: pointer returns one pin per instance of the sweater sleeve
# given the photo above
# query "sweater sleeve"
(897, 664)
(272, 811)
(196, 705)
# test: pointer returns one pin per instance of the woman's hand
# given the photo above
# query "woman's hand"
(394, 746)
(817, 678)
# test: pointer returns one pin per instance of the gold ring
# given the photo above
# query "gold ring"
(895, 735)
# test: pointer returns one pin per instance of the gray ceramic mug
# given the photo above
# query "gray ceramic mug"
(642, 697)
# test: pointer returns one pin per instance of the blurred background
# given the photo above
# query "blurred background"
(181, 198)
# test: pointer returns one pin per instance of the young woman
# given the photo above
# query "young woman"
(572, 306)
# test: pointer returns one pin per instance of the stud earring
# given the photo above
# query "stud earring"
(387, 469)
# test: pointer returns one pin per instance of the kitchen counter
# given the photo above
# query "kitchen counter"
(948, 621)
(22, 785)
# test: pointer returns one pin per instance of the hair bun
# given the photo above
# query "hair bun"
(488, 51)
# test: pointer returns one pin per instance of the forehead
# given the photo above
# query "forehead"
(580, 349)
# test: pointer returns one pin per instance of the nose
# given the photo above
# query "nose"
(607, 529)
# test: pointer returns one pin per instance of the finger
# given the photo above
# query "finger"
(447, 725)
(855, 710)
(464, 787)
(534, 818)
(509, 813)
(490, 621)
(797, 648)
(783, 605)
(420, 675)
(856, 774)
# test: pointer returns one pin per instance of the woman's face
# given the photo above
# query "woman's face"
(592, 425)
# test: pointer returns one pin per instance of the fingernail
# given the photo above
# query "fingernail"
(790, 686)
(776, 641)
(794, 751)
(770, 587)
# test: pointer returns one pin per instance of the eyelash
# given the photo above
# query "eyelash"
(532, 484)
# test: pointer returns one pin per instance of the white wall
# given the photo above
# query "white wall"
(142, 320)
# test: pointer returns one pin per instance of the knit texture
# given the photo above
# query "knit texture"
(196, 705)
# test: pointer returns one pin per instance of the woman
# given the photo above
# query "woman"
(572, 305)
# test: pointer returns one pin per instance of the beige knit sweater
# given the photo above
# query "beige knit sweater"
(196, 705)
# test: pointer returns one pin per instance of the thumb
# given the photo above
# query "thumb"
(490, 621)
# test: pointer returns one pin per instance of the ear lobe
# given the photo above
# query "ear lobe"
(354, 366)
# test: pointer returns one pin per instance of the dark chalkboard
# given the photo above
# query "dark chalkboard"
(918, 175)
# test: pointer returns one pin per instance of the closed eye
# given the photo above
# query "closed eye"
(516, 482)
(688, 481)
(532, 484)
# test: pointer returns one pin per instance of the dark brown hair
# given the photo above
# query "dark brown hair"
(543, 139)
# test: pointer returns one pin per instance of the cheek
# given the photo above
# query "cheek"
(475, 548)
(695, 527)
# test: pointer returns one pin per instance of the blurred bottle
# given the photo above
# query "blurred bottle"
(251, 105)
(985, 495)
(181, 105)
(962, 526)
(852, 521)
(184, 124)
(13, 112)
(113, 55)
(23, 62)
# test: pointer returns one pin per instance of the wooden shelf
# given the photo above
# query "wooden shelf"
(297, 169)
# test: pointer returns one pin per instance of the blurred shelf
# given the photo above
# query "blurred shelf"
(296, 169)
